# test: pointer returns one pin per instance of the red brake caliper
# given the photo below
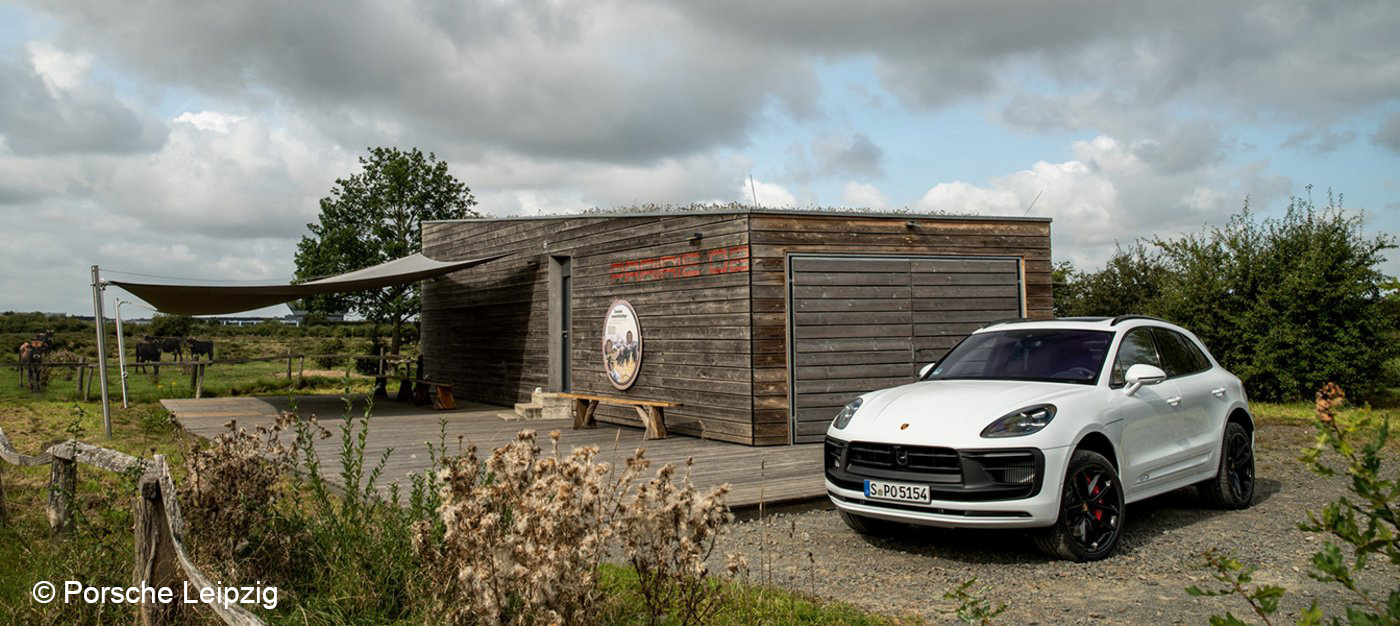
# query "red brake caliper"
(1098, 513)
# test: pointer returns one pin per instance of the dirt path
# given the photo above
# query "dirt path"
(1142, 583)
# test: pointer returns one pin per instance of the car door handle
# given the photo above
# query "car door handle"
(1218, 392)
(1174, 400)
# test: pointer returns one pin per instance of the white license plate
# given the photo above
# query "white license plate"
(896, 492)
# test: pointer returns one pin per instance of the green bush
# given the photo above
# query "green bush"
(1287, 304)
(327, 347)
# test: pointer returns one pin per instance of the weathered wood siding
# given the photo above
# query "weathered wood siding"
(774, 236)
(487, 329)
(861, 323)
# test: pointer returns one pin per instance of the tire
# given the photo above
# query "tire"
(871, 526)
(1091, 511)
(1233, 485)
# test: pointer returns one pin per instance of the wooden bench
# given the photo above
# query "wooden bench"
(653, 413)
(420, 390)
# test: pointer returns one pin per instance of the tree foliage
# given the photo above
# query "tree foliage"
(373, 217)
(1285, 303)
(163, 325)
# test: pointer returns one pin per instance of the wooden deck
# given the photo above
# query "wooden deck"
(776, 475)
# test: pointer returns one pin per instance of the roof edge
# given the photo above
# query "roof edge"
(791, 212)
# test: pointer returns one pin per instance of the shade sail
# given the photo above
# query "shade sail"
(197, 299)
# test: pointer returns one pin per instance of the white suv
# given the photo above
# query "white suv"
(1050, 425)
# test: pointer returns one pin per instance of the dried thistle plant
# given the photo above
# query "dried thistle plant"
(231, 493)
(524, 532)
(668, 531)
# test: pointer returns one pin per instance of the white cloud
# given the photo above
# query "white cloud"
(1107, 194)
(770, 195)
(60, 70)
(211, 120)
(861, 195)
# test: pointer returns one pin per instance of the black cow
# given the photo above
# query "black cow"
(169, 345)
(148, 350)
(200, 348)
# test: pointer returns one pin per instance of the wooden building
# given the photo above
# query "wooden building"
(761, 323)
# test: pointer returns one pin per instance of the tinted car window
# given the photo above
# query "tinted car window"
(1137, 347)
(1179, 355)
(1054, 355)
(1202, 361)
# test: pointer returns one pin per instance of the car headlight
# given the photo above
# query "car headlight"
(1023, 422)
(847, 412)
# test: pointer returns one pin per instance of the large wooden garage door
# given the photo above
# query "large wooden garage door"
(857, 324)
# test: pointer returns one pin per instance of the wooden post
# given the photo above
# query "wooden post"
(199, 385)
(583, 413)
(654, 420)
(87, 387)
(63, 479)
(194, 377)
(301, 373)
(156, 564)
(82, 371)
(289, 368)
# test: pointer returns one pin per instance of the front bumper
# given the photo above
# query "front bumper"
(973, 505)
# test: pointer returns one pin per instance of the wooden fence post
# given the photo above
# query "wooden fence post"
(63, 480)
(82, 371)
(156, 564)
(199, 386)
(289, 367)
(301, 372)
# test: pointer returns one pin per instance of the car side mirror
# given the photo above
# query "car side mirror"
(1142, 374)
(923, 371)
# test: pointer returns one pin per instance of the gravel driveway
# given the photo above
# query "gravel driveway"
(1142, 583)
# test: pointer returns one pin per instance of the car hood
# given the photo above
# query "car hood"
(953, 413)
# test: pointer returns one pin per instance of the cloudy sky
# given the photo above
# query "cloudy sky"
(193, 139)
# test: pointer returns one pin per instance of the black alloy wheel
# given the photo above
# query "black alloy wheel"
(1233, 485)
(1091, 511)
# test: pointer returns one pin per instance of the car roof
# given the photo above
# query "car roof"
(1111, 324)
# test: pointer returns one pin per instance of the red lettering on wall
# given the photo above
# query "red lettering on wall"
(687, 265)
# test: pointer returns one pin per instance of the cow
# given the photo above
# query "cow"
(169, 345)
(148, 350)
(200, 348)
(31, 359)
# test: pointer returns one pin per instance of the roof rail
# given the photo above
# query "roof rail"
(1083, 318)
(1124, 318)
(1008, 320)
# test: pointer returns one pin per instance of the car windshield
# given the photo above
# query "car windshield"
(1050, 355)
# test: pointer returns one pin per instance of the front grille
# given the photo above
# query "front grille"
(965, 475)
(923, 459)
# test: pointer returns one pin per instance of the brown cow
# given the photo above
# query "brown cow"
(31, 359)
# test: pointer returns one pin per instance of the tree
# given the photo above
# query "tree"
(1130, 282)
(373, 217)
(1286, 303)
(163, 325)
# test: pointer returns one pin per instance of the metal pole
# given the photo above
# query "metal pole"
(97, 287)
(121, 348)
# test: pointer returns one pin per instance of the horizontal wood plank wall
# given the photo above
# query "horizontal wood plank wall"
(774, 236)
(864, 323)
(486, 329)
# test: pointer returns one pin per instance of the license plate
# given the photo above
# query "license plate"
(896, 492)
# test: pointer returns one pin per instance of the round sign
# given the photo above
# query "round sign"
(622, 345)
